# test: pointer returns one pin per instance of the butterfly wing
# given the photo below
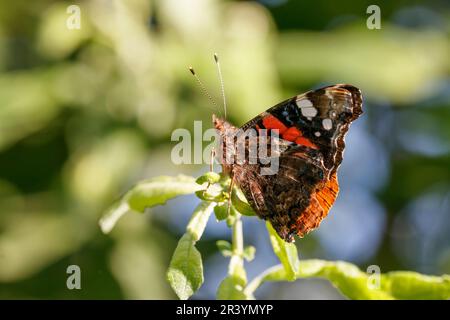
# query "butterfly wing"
(312, 127)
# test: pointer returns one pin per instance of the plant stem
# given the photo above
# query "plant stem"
(258, 280)
(236, 266)
(238, 239)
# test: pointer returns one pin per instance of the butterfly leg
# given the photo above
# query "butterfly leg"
(211, 161)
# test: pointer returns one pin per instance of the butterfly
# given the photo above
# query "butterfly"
(311, 128)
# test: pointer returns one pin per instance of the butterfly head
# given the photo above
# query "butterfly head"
(221, 124)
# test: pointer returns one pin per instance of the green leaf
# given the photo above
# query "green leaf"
(199, 219)
(221, 212)
(224, 247)
(110, 218)
(346, 277)
(412, 285)
(225, 181)
(147, 194)
(209, 177)
(286, 252)
(356, 284)
(249, 253)
(231, 288)
(185, 273)
(157, 191)
(241, 205)
(213, 193)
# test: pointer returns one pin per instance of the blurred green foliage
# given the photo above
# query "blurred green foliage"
(86, 113)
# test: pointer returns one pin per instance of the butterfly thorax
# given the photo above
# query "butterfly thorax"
(226, 132)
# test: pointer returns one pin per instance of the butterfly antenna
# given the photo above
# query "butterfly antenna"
(222, 87)
(203, 88)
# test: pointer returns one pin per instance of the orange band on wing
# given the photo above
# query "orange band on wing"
(328, 194)
(270, 122)
(291, 134)
(320, 203)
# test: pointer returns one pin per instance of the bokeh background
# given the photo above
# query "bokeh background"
(85, 114)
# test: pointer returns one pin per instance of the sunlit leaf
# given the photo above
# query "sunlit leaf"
(249, 253)
(231, 288)
(286, 252)
(241, 205)
(199, 218)
(185, 273)
(221, 212)
(412, 285)
(147, 194)
(356, 284)
(212, 193)
(224, 247)
(209, 177)
(158, 190)
(110, 217)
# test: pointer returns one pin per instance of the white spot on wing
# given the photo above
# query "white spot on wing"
(327, 124)
(317, 134)
(306, 108)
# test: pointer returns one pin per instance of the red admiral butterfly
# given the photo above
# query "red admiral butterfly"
(312, 127)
